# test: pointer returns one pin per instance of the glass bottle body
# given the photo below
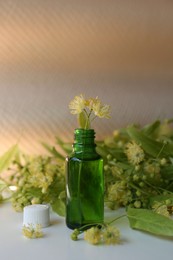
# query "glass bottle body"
(84, 184)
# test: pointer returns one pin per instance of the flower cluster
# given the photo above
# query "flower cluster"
(138, 166)
(88, 109)
(119, 192)
(104, 234)
(43, 173)
(38, 180)
(161, 209)
(110, 235)
(31, 231)
(134, 153)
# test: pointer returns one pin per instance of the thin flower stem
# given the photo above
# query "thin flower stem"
(88, 122)
(159, 188)
(154, 187)
(137, 188)
(81, 229)
(115, 219)
(90, 113)
(92, 119)
(86, 112)
(101, 224)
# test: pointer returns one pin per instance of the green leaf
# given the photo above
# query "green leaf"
(104, 151)
(34, 192)
(125, 166)
(167, 172)
(53, 151)
(7, 157)
(58, 206)
(62, 195)
(150, 146)
(101, 151)
(151, 128)
(3, 185)
(147, 220)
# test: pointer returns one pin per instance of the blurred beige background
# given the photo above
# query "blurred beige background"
(51, 51)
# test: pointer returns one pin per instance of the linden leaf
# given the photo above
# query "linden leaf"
(53, 151)
(150, 129)
(167, 172)
(147, 220)
(7, 157)
(150, 146)
(59, 207)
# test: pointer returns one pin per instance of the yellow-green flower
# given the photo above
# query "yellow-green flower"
(119, 193)
(88, 109)
(31, 231)
(152, 168)
(100, 110)
(35, 200)
(111, 235)
(135, 153)
(77, 104)
(161, 209)
(91, 102)
(93, 235)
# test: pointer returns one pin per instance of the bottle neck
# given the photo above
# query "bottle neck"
(84, 141)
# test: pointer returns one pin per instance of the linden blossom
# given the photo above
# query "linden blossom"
(134, 153)
(32, 232)
(88, 109)
(102, 233)
(109, 235)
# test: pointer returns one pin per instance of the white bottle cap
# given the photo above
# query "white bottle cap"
(36, 214)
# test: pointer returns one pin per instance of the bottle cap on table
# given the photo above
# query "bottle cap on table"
(37, 214)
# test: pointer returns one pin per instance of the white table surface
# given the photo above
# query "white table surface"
(56, 243)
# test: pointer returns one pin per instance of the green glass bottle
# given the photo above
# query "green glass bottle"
(84, 182)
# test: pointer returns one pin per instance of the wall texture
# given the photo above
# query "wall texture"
(51, 51)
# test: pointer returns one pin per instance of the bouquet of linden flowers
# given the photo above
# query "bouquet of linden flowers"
(138, 170)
